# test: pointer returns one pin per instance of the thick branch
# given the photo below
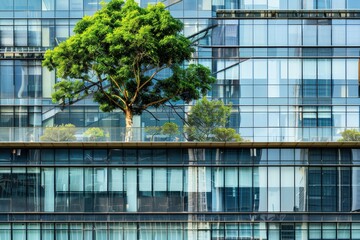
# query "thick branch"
(139, 88)
(110, 97)
(138, 81)
(120, 89)
(163, 100)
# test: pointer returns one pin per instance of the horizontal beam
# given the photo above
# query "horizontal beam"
(139, 145)
(215, 217)
(287, 14)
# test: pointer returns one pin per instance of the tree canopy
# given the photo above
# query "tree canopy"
(350, 135)
(116, 56)
(60, 133)
(207, 122)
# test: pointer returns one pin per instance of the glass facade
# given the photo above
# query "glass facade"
(290, 70)
(152, 192)
(288, 77)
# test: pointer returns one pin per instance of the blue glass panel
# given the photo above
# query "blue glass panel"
(34, 4)
(353, 4)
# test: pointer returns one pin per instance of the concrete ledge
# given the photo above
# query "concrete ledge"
(180, 145)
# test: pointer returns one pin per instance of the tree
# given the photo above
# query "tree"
(226, 135)
(350, 135)
(170, 129)
(152, 131)
(116, 56)
(207, 121)
(60, 133)
(95, 133)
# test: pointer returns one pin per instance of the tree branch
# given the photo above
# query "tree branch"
(110, 97)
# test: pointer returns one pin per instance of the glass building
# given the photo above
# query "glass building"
(179, 191)
(290, 70)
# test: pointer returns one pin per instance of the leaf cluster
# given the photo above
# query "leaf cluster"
(169, 129)
(350, 135)
(207, 120)
(226, 135)
(59, 133)
(95, 133)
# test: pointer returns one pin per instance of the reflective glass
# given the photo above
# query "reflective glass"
(353, 4)
(34, 4)
(62, 5)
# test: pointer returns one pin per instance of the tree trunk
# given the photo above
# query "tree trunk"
(129, 125)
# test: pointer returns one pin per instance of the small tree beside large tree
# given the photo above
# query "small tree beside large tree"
(350, 135)
(207, 121)
(116, 56)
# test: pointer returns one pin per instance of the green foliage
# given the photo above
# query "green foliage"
(67, 90)
(350, 135)
(207, 121)
(116, 54)
(59, 133)
(226, 135)
(152, 131)
(95, 133)
(170, 129)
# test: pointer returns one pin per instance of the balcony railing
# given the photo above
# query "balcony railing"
(287, 14)
(116, 134)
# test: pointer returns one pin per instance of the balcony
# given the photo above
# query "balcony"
(116, 134)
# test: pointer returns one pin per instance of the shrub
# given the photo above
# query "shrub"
(226, 135)
(170, 129)
(350, 135)
(95, 133)
(59, 133)
(152, 131)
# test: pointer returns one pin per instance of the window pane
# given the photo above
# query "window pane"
(260, 35)
(278, 35)
(34, 35)
(34, 4)
(287, 189)
(116, 179)
(309, 37)
(160, 179)
(353, 34)
(62, 5)
(274, 189)
(48, 5)
(145, 179)
(6, 36)
(76, 179)
(78, 4)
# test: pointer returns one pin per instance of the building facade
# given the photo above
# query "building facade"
(101, 191)
(290, 70)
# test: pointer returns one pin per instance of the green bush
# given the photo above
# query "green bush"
(59, 133)
(152, 131)
(350, 135)
(170, 129)
(226, 135)
(204, 117)
(207, 121)
(95, 133)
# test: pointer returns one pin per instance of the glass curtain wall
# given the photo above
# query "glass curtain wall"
(156, 230)
(259, 180)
